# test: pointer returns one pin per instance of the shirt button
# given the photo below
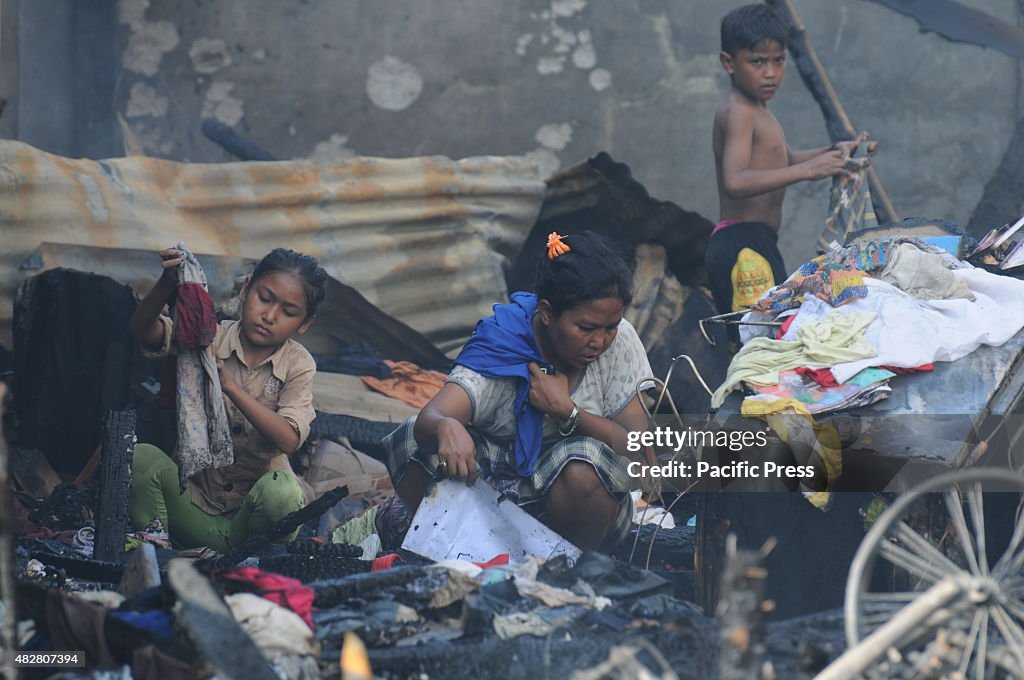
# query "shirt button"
(228, 487)
(236, 429)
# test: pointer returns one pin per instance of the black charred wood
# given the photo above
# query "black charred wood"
(330, 593)
(115, 486)
(83, 568)
(282, 527)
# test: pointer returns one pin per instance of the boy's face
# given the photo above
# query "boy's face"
(757, 72)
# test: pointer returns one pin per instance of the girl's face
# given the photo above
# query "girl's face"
(274, 309)
(579, 335)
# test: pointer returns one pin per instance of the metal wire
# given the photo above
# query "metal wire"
(651, 415)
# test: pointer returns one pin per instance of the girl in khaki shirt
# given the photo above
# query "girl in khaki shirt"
(267, 381)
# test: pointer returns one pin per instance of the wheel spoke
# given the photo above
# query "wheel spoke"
(979, 659)
(1012, 633)
(881, 599)
(972, 639)
(976, 503)
(1012, 585)
(1016, 564)
(1014, 607)
(956, 513)
(926, 550)
(910, 562)
(1001, 568)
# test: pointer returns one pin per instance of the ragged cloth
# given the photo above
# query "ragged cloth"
(909, 332)
(812, 443)
(832, 283)
(825, 342)
(204, 435)
(923, 275)
(850, 206)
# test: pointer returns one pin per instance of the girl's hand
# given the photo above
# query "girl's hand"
(227, 385)
(456, 450)
(550, 393)
(172, 260)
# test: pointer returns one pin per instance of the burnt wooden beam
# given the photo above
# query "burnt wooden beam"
(282, 527)
(816, 80)
(115, 485)
(332, 592)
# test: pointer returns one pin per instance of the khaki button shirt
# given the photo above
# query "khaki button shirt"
(283, 382)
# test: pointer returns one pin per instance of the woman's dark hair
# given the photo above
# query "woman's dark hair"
(596, 267)
(745, 27)
(304, 267)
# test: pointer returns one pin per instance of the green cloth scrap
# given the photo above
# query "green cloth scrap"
(357, 529)
(836, 339)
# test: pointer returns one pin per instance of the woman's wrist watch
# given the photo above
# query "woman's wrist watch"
(571, 424)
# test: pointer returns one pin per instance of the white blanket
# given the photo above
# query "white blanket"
(909, 332)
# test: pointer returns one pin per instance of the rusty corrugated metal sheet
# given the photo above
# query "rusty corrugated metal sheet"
(424, 239)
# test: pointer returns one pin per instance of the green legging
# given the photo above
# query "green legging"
(156, 494)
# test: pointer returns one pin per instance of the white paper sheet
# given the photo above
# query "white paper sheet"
(456, 521)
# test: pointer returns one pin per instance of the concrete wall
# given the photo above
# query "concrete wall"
(556, 79)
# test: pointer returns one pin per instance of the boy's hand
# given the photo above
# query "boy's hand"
(850, 146)
(825, 165)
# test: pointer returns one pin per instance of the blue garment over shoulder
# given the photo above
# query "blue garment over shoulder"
(502, 346)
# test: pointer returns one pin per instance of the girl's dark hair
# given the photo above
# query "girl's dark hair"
(306, 268)
(596, 267)
(745, 27)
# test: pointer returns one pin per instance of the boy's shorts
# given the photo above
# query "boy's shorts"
(743, 261)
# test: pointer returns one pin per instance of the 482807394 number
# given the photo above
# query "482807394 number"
(43, 659)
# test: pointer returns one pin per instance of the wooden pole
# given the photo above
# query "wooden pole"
(836, 121)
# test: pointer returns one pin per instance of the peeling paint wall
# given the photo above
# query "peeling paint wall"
(556, 81)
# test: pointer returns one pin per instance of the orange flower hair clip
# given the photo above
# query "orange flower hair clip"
(556, 246)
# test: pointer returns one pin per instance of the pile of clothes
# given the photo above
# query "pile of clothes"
(856, 316)
(851, 320)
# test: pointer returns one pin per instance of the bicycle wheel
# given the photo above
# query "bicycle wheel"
(936, 533)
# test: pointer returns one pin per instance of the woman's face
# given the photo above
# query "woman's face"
(579, 335)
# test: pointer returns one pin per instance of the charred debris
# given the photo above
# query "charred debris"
(79, 393)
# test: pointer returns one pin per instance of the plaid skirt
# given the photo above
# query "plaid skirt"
(496, 466)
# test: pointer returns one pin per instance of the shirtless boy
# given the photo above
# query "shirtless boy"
(753, 163)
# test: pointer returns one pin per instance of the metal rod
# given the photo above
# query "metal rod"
(721, 319)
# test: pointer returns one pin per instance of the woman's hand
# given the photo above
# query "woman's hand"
(456, 450)
(550, 394)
